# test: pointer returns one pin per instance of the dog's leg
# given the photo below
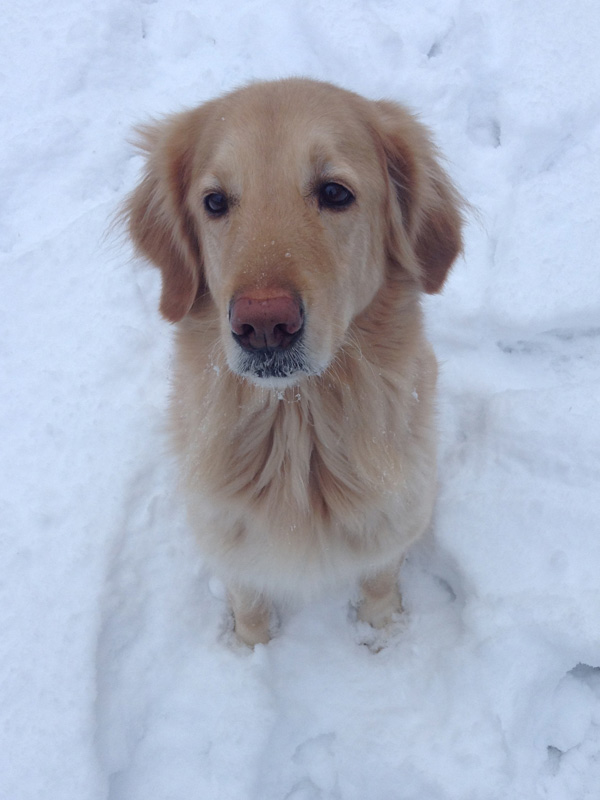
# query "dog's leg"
(381, 598)
(251, 615)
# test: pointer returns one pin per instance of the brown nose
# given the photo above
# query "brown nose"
(266, 319)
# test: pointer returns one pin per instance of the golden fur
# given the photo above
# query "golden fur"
(327, 474)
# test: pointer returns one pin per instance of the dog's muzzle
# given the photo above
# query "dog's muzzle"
(268, 327)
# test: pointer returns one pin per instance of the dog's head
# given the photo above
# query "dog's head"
(286, 206)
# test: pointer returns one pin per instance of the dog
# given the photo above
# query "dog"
(296, 225)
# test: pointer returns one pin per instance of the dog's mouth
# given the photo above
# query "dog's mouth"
(268, 363)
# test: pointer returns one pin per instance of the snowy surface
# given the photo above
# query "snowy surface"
(118, 678)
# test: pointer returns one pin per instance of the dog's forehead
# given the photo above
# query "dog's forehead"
(272, 128)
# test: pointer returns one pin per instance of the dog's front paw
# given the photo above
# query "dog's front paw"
(381, 600)
(380, 618)
(250, 634)
(252, 615)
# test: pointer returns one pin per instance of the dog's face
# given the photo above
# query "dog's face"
(289, 206)
(288, 203)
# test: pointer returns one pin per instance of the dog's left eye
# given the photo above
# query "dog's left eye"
(216, 204)
(334, 195)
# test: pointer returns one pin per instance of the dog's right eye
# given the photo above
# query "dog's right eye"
(335, 196)
(216, 204)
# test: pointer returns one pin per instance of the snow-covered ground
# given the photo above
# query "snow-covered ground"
(118, 679)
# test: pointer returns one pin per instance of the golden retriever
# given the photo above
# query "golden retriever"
(295, 225)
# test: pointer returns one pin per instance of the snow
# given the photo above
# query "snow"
(119, 675)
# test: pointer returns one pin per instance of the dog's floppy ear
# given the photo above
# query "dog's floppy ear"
(428, 212)
(159, 222)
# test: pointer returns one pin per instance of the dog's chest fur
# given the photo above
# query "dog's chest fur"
(325, 453)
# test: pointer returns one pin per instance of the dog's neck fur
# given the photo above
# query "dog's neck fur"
(331, 445)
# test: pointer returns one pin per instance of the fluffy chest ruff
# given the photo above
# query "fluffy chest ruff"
(317, 484)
